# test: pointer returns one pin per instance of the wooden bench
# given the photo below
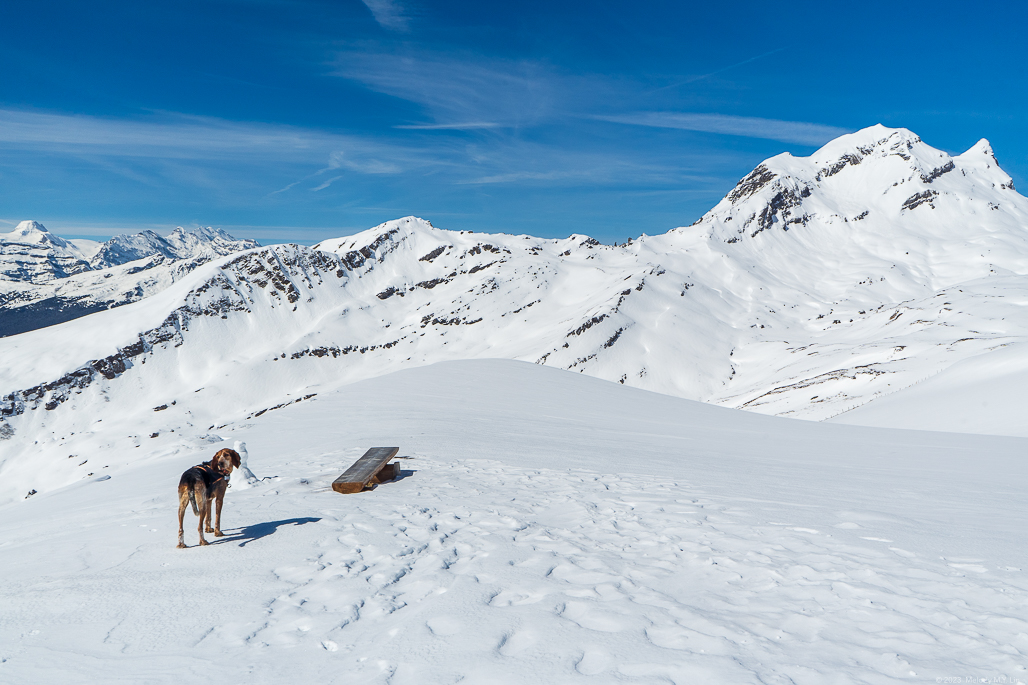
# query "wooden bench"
(371, 469)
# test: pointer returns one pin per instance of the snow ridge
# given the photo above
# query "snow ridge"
(201, 242)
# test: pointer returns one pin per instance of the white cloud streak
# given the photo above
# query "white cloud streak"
(749, 127)
(326, 184)
(197, 138)
(213, 153)
(469, 94)
(469, 126)
(459, 93)
(389, 14)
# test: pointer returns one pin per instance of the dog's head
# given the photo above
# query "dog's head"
(224, 460)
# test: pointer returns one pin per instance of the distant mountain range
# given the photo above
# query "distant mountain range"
(815, 286)
(45, 279)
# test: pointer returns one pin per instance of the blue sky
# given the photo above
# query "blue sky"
(300, 120)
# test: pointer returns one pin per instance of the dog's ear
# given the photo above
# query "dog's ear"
(235, 458)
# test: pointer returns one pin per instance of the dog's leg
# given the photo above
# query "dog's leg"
(219, 499)
(183, 502)
(207, 527)
(200, 493)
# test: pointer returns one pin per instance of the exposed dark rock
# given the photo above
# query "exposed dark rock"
(279, 406)
(864, 369)
(389, 292)
(920, 199)
(433, 254)
(479, 267)
(614, 338)
(587, 325)
(936, 173)
(757, 179)
(355, 259)
(779, 208)
(842, 163)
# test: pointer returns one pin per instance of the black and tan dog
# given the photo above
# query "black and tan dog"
(201, 484)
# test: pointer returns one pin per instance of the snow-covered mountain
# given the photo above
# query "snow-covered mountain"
(32, 254)
(45, 279)
(203, 242)
(816, 286)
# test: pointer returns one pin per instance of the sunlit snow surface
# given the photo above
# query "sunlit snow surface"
(548, 527)
(575, 518)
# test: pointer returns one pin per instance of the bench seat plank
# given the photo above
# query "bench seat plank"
(364, 471)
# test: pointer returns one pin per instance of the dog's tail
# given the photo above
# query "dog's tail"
(192, 500)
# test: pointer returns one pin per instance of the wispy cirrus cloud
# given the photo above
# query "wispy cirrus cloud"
(212, 152)
(460, 126)
(464, 94)
(800, 132)
(461, 92)
(390, 14)
(176, 136)
(326, 184)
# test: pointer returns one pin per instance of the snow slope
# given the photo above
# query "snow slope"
(984, 394)
(45, 280)
(549, 527)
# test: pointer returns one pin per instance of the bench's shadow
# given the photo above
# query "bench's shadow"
(248, 534)
(400, 476)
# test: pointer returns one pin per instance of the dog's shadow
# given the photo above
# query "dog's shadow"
(248, 534)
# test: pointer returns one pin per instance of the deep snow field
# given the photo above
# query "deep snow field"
(548, 527)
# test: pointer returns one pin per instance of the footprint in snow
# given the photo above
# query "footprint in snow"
(444, 626)
(593, 662)
(512, 644)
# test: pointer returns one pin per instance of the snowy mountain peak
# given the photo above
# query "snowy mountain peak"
(868, 141)
(205, 242)
(883, 184)
(33, 232)
(45, 279)
(29, 227)
(31, 253)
